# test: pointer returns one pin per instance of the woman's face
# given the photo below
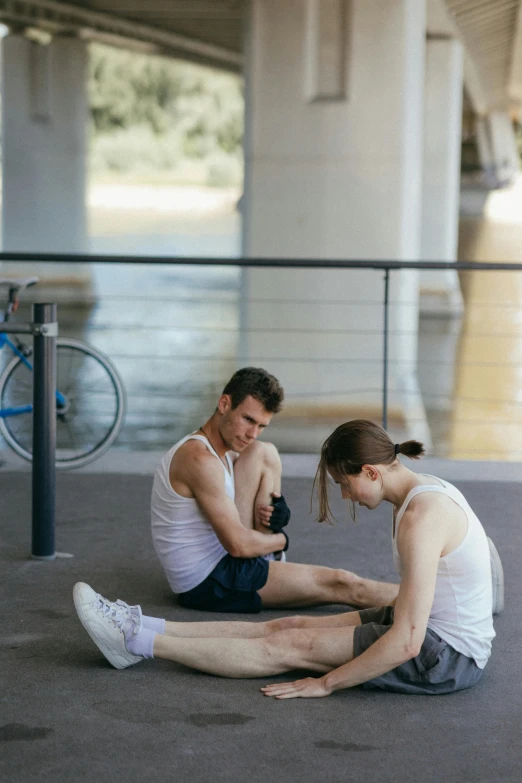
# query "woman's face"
(364, 488)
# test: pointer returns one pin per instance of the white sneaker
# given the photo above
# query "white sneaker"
(107, 623)
(497, 578)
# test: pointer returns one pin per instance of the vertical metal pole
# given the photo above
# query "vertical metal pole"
(385, 351)
(44, 433)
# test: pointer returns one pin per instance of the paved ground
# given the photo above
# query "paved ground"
(65, 715)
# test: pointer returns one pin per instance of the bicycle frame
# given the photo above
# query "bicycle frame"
(18, 410)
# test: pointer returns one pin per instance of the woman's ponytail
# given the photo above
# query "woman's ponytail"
(410, 448)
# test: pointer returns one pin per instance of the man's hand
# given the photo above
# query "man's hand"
(276, 516)
(263, 515)
(309, 688)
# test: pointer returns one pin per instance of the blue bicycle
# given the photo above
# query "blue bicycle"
(90, 397)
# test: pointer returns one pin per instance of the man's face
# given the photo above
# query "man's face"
(240, 426)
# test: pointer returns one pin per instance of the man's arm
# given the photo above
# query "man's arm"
(204, 477)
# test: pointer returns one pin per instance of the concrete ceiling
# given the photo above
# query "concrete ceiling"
(206, 31)
(211, 32)
(488, 29)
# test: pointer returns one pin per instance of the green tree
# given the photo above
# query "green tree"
(171, 98)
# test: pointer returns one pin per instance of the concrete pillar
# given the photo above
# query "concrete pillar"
(503, 146)
(440, 290)
(485, 151)
(333, 170)
(44, 128)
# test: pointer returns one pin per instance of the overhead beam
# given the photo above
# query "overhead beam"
(66, 18)
(175, 9)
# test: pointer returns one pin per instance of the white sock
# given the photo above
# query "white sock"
(141, 643)
(153, 623)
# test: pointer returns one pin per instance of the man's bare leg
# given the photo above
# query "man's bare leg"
(295, 585)
(257, 473)
(319, 650)
(236, 629)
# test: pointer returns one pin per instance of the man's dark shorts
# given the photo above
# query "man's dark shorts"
(231, 587)
(438, 668)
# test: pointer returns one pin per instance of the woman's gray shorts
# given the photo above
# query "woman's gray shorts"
(438, 668)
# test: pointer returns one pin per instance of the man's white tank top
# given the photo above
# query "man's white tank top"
(461, 613)
(184, 539)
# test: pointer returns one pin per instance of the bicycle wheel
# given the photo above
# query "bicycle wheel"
(89, 412)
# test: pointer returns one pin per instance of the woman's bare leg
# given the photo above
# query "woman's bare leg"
(236, 629)
(319, 650)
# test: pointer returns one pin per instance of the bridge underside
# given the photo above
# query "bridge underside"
(206, 31)
(213, 32)
(352, 150)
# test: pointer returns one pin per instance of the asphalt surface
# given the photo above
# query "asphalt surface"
(66, 715)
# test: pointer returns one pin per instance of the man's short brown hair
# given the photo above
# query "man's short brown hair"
(257, 383)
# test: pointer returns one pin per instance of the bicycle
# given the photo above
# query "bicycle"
(90, 397)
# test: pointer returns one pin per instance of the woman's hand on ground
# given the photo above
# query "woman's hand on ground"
(309, 688)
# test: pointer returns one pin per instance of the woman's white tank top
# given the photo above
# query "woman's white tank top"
(184, 540)
(461, 613)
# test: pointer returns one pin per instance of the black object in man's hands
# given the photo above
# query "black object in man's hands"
(280, 515)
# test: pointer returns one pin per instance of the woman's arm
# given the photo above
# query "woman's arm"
(420, 544)
(421, 539)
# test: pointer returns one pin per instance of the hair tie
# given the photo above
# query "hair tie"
(397, 448)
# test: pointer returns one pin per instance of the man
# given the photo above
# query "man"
(218, 518)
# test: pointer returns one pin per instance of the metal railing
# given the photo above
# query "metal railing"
(383, 332)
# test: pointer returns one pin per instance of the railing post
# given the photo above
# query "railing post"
(44, 432)
(385, 350)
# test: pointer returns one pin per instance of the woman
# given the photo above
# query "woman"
(436, 638)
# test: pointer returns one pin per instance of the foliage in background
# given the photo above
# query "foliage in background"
(164, 118)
